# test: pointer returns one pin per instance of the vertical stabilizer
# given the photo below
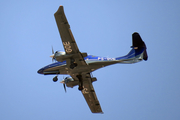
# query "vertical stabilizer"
(138, 43)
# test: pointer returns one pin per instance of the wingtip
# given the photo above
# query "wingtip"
(60, 10)
(61, 7)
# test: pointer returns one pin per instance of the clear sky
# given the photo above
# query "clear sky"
(149, 90)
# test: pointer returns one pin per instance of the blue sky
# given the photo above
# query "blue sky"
(143, 91)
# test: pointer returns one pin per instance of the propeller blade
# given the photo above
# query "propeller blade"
(64, 87)
(52, 56)
(52, 50)
(63, 82)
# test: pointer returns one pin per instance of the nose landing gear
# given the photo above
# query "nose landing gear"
(55, 79)
(73, 64)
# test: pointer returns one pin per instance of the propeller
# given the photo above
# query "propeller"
(52, 56)
(64, 87)
(63, 81)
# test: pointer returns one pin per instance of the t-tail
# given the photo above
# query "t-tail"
(138, 51)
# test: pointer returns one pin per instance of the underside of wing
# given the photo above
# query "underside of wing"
(74, 57)
(65, 32)
(90, 95)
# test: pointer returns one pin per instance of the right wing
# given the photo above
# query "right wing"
(90, 95)
(68, 40)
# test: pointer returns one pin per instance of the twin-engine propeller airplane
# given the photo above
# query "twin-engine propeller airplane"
(80, 65)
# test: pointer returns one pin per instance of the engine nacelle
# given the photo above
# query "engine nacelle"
(62, 56)
(70, 82)
(59, 55)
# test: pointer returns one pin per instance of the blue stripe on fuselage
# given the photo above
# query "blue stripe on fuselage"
(97, 58)
(133, 53)
(40, 71)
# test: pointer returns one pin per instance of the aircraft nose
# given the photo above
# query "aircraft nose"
(40, 71)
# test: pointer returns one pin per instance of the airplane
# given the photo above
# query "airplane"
(79, 66)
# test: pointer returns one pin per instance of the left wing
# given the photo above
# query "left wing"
(90, 95)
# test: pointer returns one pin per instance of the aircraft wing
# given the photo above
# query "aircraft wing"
(68, 40)
(73, 52)
(90, 95)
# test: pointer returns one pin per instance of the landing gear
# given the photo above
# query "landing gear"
(73, 64)
(80, 88)
(80, 82)
(55, 79)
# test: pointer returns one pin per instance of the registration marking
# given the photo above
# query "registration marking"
(67, 47)
(85, 91)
